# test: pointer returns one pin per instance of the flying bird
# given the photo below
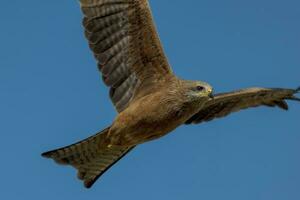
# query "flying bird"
(150, 100)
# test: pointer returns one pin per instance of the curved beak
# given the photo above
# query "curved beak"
(211, 94)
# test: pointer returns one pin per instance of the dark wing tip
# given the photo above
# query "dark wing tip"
(293, 97)
(89, 183)
(52, 155)
(47, 154)
(282, 104)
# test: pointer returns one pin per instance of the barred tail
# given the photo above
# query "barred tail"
(89, 157)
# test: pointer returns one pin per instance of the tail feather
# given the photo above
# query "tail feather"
(89, 157)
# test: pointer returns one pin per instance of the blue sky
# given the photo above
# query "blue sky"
(52, 95)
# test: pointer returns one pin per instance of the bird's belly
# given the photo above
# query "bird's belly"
(141, 131)
(135, 128)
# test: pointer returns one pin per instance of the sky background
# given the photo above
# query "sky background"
(51, 95)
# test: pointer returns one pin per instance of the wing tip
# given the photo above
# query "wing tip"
(51, 155)
(282, 104)
(89, 183)
(47, 154)
(293, 97)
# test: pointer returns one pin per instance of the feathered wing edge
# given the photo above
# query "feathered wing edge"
(226, 103)
(89, 157)
(126, 45)
(294, 97)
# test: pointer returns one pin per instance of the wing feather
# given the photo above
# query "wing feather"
(227, 103)
(89, 157)
(123, 38)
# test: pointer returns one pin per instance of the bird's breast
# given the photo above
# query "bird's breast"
(148, 119)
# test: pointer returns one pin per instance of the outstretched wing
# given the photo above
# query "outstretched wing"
(123, 38)
(226, 103)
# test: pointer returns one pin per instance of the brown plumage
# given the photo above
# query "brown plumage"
(151, 101)
(226, 103)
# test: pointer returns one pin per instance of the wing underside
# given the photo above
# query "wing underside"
(227, 103)
(123, 38)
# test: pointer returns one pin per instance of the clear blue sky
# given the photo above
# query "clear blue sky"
(52, 95)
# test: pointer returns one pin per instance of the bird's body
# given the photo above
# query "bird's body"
(150, 100)
(143, 120)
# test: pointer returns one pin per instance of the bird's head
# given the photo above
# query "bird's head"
(196, 90)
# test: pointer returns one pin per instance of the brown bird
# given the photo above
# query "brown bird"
(151, 101)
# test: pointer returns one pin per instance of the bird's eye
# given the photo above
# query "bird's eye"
(200, 88)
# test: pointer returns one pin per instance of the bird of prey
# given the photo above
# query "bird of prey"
(150, 100)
